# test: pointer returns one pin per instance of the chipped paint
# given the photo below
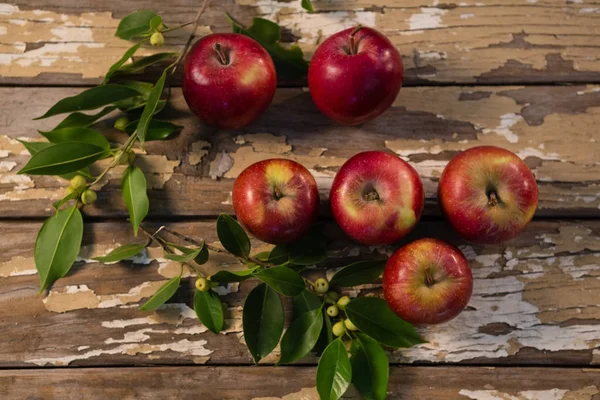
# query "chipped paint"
(197, 151)
(304, 394)
(17, 266)
(428, 18)
(80, 43)
(185, 347)
(585, 393)
(220, 165)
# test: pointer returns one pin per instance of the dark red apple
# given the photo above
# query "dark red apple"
(355, 75)
(488, 194)
(427, 282)
(228, 80)
(376, 198)
(276, 200)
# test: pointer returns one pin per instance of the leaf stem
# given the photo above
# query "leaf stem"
(177, 27)
(124, 150)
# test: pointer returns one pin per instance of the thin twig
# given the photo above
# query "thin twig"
(192, 35)
(154, 239)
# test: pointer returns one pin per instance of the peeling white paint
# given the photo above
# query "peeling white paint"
(185, 347)
(551, 394)
(428, 18)
(506, 122)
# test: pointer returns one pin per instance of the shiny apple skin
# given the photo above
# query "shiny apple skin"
(463, 194)
(355, 88)
(270, 219)
(393, 215)
(228, 96)
(411, 298)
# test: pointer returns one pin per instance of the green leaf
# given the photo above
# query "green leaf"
(135, 24)
(186, 257)
(209, 310)
(155, 22)
(232, 236)
(164, 293)
(370, 368)
(139, 66)
(358, 273)
(262, 256)
(128, 54)
(157, 130)
(310, 249)
(133, 189)
(143, 88)
(301, 336)
(81, 120)
(151, 106)
(77, 135)
(282, 279)
(123, 252)
(307, 5)
(279, 255)
(57, 245)
(58, 204)
(334, 372)
(289, 63)
(263, 320)
(91, 99)
(62, 158)
(306, 301)
(35, 147)
(201, 253)
(232, 276)
(372, 316)
(326, 335)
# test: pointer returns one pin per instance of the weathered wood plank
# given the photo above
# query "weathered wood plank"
(470, 41)
(536, 301)
(295, 383)
(554, 128)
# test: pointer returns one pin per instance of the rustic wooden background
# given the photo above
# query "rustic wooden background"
(521, 74)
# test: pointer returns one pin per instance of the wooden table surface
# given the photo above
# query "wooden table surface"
(520, 74)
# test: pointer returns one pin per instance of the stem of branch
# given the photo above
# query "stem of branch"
(192, 35)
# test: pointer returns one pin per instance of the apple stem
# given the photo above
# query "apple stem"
(429, 281)
(277, 193)
(222, 56)
(492, 199)
(352, 42)
(371, 195)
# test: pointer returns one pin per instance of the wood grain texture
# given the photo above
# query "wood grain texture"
(535, 301)
(553, 128)
(269, 383)
(486, 41)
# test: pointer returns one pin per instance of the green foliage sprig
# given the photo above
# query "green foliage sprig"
(324, 323)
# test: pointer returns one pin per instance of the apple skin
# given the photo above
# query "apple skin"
(276, 200)
(488, 194)
(233, 94)
(415, 299)
(355, 88)
(376, 198)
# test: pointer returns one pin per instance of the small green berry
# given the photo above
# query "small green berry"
(338, 328)
(157, 39)
(333, 311)
(343, 302)
(121, 123)
(69, 191)
(321, 285)
(78, 182)
(349, 325)
(202, 284)
(89, 197)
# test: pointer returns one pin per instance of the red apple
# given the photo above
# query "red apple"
(488, 194)
(376, 198)
(355, 75)
(427, 282)
(276, 200)
(228, 80)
